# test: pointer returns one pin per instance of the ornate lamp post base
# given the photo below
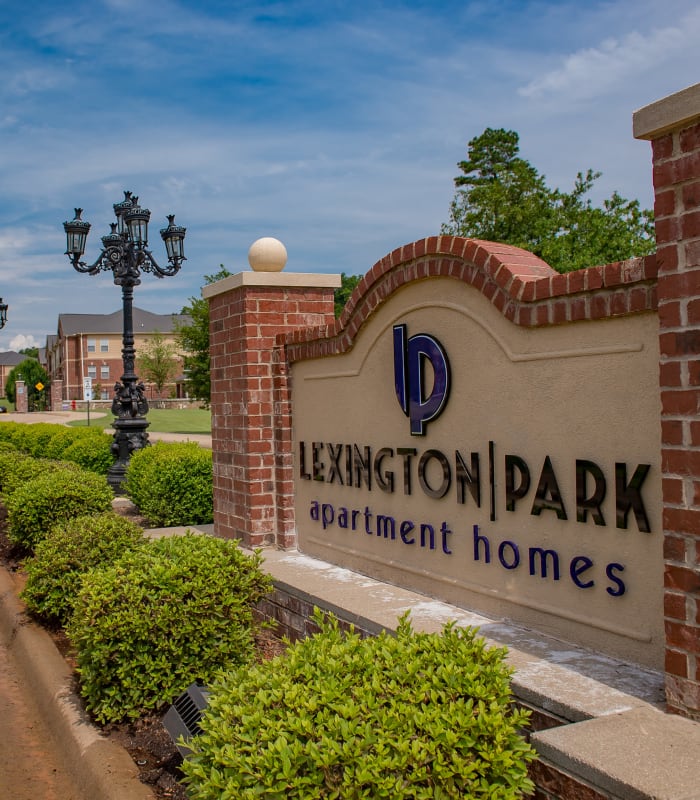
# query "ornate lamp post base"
(129, 435)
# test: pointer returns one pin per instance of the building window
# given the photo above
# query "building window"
(92, 371)
(104, 372)
(91, 345)
(104, 394)
(104, 345)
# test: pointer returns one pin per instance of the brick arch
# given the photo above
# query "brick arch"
(525, 289)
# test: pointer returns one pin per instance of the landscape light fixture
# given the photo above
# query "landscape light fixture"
(125, 252)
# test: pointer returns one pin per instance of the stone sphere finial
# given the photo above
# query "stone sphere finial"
(267, 255)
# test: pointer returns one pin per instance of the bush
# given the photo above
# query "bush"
(416, 716)
(14, 432)
(36, 506)
(173, 612)
(172, 484)
(17, 469)
(92, 452)
(34, 438)
(9, 461)
(62, 439)
(70, 549)
(7, 430)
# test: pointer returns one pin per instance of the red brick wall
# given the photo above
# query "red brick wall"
(524, 289)
(676, 157)
(251, 422)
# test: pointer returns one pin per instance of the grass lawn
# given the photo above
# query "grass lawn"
(177, 420)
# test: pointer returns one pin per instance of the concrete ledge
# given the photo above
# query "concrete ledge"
(100, 768)
(675, 111)
(640, 754)
(290, 280)
(564, 680)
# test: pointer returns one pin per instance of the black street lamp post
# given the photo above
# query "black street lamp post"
(125, 253)
(3, 314)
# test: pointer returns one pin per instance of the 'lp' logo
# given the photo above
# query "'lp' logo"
(410, 357)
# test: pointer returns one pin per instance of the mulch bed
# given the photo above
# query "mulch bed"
(146, 740)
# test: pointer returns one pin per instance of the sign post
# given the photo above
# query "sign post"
(87, 396)
(39, 386)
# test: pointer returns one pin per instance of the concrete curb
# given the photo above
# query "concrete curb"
(101, 769)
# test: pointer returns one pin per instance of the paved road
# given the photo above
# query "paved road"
(30, 768)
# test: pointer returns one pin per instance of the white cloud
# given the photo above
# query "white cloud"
(22, 341)
(600, 70)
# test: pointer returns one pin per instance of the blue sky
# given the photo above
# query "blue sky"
(333, 126)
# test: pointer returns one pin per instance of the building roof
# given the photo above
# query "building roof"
(11, 359)
(144, 322)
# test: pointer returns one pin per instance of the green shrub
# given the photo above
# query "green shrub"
(9, 461)
(7, 430)
(39, 504)
(92, 452)
(35, 437)
(172, 483)
(7, 447)
(172, 612)
(15, 432)
(70, 549)
(415, 716)
(62, 439)
(17, 469)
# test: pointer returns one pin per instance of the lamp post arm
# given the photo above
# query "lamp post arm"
(149, 264)
(103, 262)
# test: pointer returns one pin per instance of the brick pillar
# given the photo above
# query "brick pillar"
(673, 126)
(21, 399)
(250, 403)
(56, 401)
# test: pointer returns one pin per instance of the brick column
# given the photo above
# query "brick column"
(251, 414)
(21, 399)
(673, 126)
(56, 401)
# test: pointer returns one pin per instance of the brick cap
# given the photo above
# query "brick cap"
(277, 280)
(670, 113)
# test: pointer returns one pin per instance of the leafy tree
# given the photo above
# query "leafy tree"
(342, 295)
(32, 352)
(194, 341)
(157, 361)
(31, 372)
(501, 197)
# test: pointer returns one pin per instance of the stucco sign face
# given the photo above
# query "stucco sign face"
(513, 472)
(411, 356)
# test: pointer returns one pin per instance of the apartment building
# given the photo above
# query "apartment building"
(90, 346)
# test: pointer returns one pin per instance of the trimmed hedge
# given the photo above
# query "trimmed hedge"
(417, 716)
(69, 550)
(35, 437)
(172, 484)
(34, 507)
(17, 469)
(92, 452)
(90, 448)
(174, 611)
